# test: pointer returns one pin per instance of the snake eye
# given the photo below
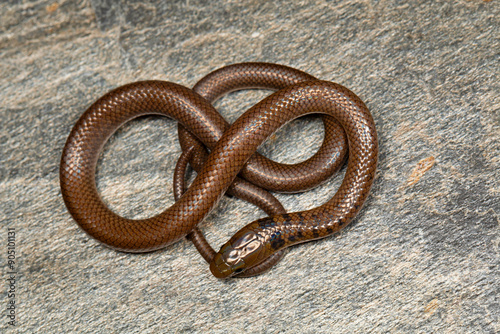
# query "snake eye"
(251, 247)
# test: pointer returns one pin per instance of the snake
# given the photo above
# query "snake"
(231, 154)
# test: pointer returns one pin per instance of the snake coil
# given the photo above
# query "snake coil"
(232, 164)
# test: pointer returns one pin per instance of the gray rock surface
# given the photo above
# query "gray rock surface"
(423, 255)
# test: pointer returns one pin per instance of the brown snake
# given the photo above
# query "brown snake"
(232, 152)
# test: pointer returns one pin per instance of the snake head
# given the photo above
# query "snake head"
(238, 254)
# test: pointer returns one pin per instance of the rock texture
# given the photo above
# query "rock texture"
(423, 255)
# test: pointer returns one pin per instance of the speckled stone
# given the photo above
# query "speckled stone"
(423, 255)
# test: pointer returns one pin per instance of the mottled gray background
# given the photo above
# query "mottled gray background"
(423, 255)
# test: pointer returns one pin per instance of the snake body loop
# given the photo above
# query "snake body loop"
(230, 150)
(259, 170)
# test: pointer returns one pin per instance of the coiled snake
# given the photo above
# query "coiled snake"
(258, 245)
